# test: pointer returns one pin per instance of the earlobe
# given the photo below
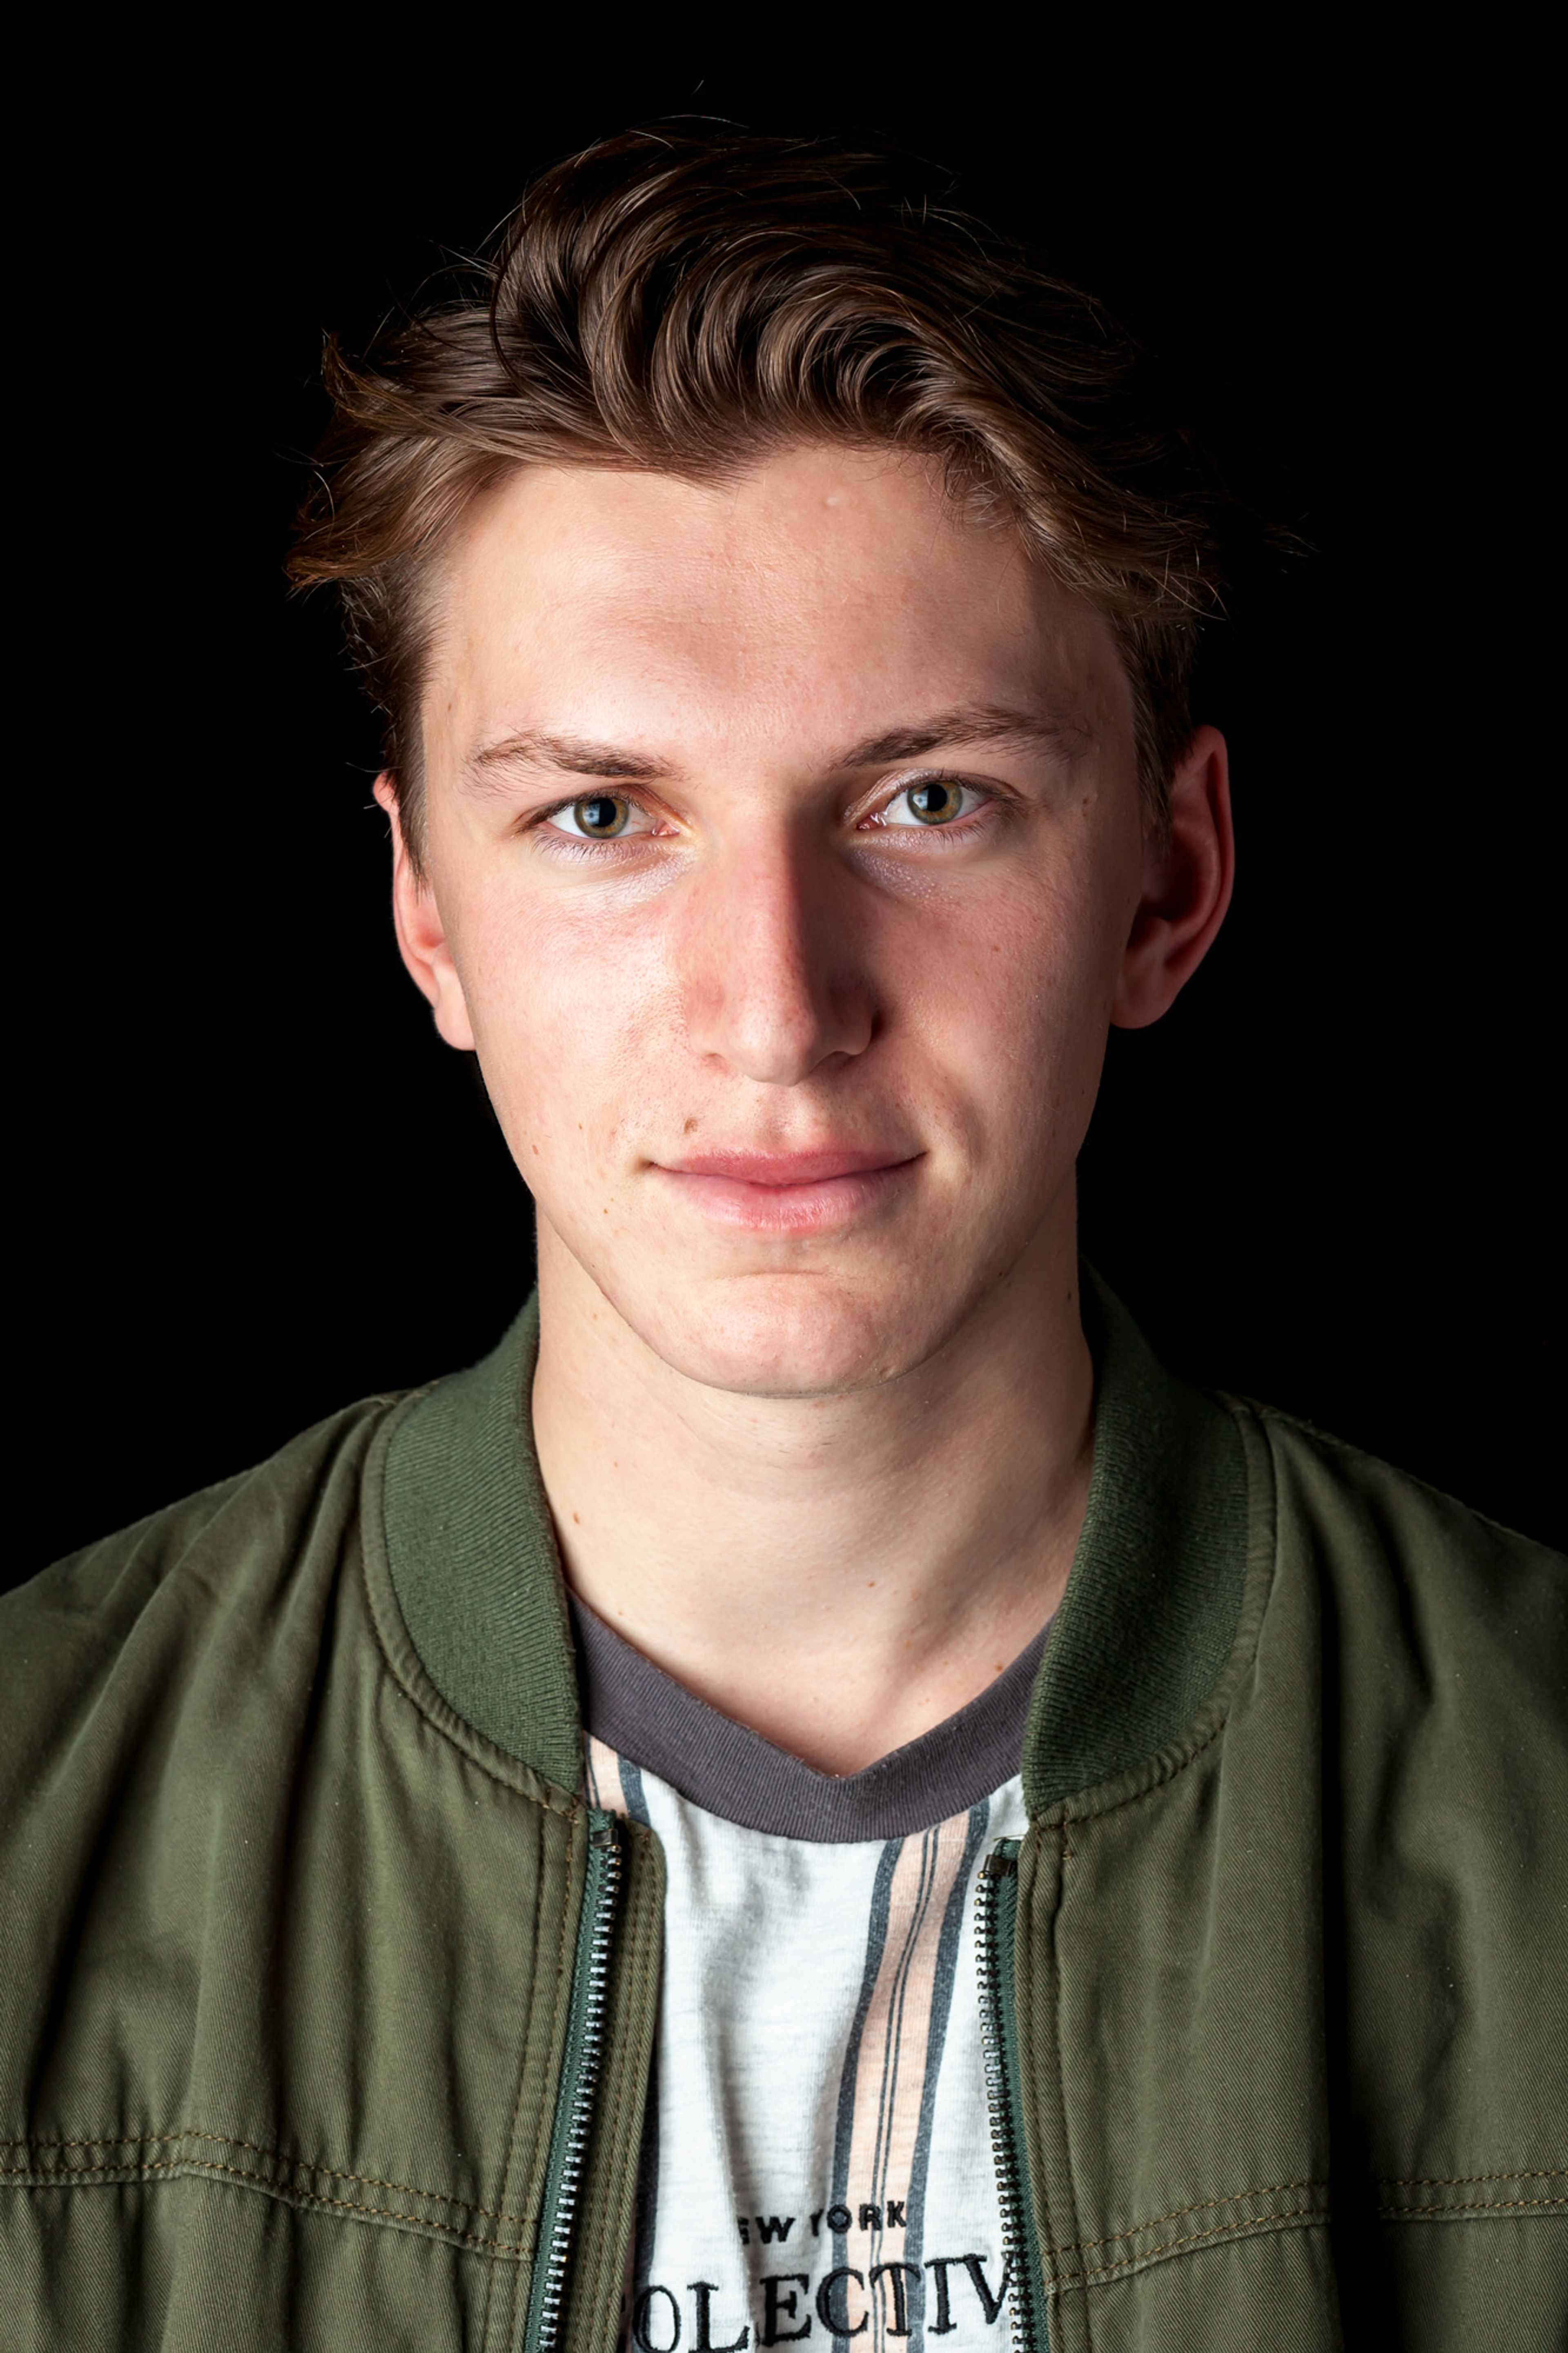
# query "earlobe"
(421, 934)
(1187, 881)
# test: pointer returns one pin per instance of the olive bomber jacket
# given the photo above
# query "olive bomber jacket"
(328, 2009)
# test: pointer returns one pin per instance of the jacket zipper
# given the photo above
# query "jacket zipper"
(579, 2079)
(997, 1921)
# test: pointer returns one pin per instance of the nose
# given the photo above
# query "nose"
(775, 975)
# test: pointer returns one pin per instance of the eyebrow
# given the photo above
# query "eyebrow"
(1059, 732)
(571, 753)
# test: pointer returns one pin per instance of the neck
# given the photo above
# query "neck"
(838, 1573)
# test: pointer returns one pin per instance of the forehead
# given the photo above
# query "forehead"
(821, 588)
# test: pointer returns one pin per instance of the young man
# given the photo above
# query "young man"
(818, 1794)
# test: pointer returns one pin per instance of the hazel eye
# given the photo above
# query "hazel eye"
(597, 817)
(935, 800)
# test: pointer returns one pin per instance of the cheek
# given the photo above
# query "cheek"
(1014, 999)
(568, 1013)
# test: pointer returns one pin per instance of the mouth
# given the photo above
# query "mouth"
(789, 1192)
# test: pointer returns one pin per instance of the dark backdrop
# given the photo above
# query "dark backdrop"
(254, 1184)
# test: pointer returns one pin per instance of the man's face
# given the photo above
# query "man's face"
(784, 840)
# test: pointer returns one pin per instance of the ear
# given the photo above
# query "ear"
(421, 935)
(1187, 879)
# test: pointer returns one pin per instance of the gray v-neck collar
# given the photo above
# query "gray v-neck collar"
(646, 1716)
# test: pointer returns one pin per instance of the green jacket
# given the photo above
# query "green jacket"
(328, 2005)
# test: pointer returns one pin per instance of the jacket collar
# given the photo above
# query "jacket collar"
(1144, 1629)
(1149, 1615)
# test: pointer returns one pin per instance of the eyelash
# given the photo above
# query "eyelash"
(958, 828)
(576, 845)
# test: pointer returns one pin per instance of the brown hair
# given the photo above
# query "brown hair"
(684, 299)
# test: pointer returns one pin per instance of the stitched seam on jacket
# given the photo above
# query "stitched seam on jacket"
(1180, 2213)
(1164, 1771)
(253, 2148)
(1293, 2218)
(1470, 2181)
(203, 2168)
(1471, 2206)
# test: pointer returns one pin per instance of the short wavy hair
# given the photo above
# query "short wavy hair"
(686, 300)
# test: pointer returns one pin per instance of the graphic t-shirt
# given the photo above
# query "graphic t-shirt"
(817, 2162)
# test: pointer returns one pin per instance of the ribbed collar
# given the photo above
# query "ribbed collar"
(1145, 1626)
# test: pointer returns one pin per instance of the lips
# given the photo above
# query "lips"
(786, 1169)
(790, 1192)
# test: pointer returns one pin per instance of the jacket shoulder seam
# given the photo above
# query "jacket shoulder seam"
(1273, 1417)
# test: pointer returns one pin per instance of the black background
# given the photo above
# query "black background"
(254, 1184)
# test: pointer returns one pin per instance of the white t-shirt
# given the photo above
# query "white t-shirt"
(817, 2162)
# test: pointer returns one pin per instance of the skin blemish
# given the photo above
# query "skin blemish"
(576, 1521)
(690, 1128)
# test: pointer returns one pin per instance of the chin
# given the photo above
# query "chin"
(784, 1334)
